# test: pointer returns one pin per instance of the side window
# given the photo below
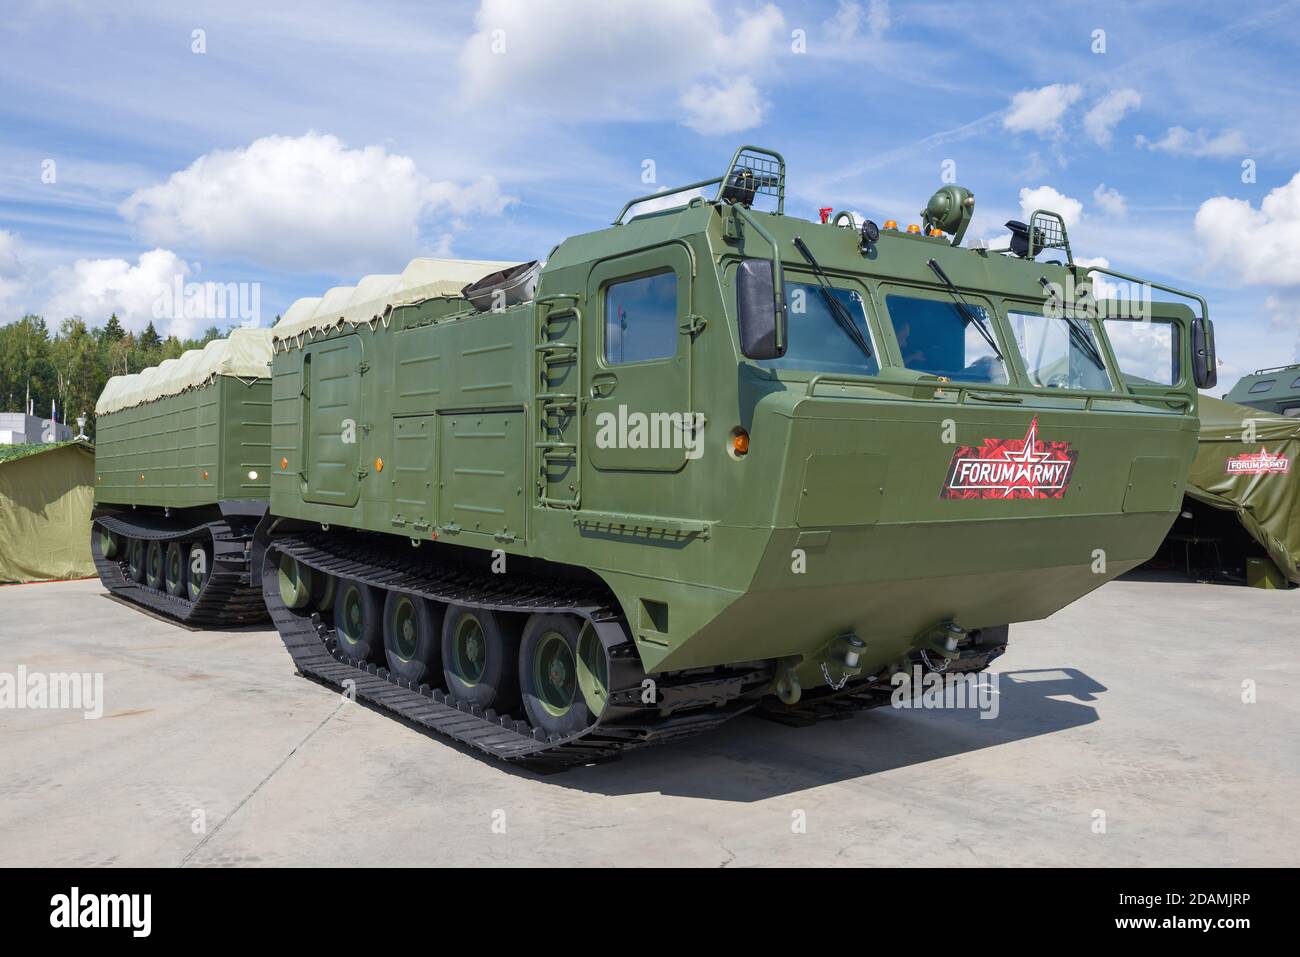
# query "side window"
(1263, 385)
(1147, 352)
(641, 319)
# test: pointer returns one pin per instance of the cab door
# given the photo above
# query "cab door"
(638, 399)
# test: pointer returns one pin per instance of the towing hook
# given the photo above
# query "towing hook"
(787, 682)
(847, 652)
(944, 638)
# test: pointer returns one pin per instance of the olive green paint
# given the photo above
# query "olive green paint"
(159, 453)
(845, 471)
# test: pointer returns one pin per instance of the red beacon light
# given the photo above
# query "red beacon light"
(826, 213)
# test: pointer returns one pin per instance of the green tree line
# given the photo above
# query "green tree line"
(71, 365)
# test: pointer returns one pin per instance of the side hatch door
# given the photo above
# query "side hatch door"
(332, 421)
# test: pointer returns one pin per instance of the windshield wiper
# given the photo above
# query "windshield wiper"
(1079, 334)
(836, 307)
(968, 313)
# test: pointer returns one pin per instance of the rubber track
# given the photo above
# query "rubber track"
(316, 653)
(229, 598)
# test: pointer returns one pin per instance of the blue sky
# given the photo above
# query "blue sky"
(300, 146)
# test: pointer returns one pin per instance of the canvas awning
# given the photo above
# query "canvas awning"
(245, 354)
(374, 296)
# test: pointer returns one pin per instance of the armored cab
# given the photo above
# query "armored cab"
(1274, 390)
(724, 458)
(182, 464)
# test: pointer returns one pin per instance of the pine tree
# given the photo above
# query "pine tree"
(112, 331)
(149, 339)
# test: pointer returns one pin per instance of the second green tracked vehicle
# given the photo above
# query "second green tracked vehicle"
(709, 459)
(1275, 390)
(182, 463)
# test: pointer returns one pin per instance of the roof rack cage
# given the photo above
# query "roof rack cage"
(1294, 365)
(766, 177)
(1047, 231)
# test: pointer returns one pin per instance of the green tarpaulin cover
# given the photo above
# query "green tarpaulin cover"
(1246, 464)
(46, 495)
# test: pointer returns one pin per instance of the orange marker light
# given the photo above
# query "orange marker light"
(936, 232)
(891, 224)
(913, 228)
(740, 442)
(379, 465)
(284, 462)
(205, 476)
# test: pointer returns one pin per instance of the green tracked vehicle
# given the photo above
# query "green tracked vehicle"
(1274, 390)
(182, 464)
(710, 459)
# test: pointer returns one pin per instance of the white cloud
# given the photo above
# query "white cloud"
(10, 263)
(847, 21)
(594, 59)
(667, 202)
(1259, 245)
(95, 288)
(727, 107)
(878, 17)
(14, 274)
(1284, 316)
(1040, 111)
(1110, 200)
(1101, 120)
(304, 203)
(1182, 142)
(1102, 288)
(1044, 197)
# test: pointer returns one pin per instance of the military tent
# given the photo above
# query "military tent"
(1241, 513)
(46, 494)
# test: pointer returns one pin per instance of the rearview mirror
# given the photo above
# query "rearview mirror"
(1204, 365)
(761, 316)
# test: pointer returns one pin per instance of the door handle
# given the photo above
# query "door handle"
(603, 385)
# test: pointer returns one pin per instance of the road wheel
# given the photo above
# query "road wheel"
(153, 565)
(174, 574)
(549, 674)
(480, 657)
(296, 581)
(110, 546)
(358, 620)
(413, 637)
(135, 559)
(593, 669)
(200, 567)
(322, 593)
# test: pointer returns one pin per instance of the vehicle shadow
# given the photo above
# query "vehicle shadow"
(751, 759)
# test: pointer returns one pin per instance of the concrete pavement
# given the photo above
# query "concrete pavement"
(1122, 738)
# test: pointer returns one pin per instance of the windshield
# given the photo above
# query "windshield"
(817, 343)
(1059, 353)
(934, 337)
